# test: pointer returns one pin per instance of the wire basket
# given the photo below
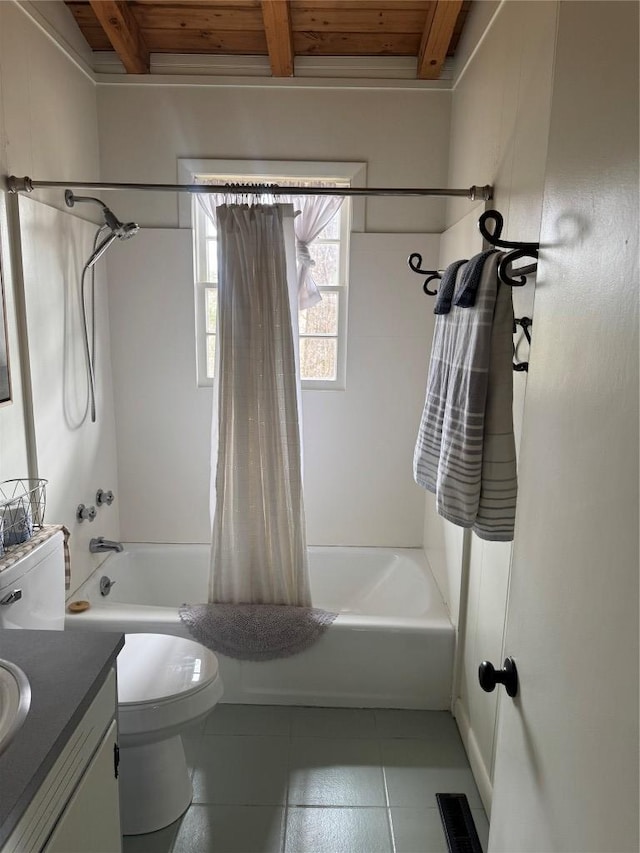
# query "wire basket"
(22, 506)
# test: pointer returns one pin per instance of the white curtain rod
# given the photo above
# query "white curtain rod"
(474, 193)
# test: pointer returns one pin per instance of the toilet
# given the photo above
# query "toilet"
(165, 684)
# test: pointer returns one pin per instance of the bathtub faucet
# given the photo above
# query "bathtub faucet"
(99, 545)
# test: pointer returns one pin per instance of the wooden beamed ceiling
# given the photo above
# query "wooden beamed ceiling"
(279, 29)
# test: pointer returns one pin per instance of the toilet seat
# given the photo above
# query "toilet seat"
(164, 682)
(160, 667)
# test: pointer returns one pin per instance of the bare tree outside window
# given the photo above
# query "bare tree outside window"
(321, 327)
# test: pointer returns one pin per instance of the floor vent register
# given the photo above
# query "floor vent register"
(457, 821)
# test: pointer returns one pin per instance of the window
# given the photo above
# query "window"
(322, 327)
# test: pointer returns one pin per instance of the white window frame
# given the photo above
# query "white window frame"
(353, 173)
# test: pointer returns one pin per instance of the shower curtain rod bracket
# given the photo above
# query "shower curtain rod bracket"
(474, 193)
(18, 185)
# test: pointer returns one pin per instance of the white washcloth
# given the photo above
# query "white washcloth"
(465, 452)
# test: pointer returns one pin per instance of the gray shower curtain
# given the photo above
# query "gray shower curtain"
(258, 550)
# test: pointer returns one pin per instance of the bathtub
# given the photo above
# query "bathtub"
(391, 645)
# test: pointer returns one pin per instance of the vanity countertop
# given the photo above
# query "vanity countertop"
(65, 670)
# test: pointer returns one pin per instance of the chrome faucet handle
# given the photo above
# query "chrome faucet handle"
(103, 497)
(105, 585)
(86, 512)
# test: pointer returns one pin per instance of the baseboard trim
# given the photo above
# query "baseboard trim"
(478, 768)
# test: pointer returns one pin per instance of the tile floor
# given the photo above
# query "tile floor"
(270, 779)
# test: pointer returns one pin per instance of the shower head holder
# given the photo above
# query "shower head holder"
(121, 230)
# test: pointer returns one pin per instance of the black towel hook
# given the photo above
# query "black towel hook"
(526, 323)
(415, 265)
(506, 274)
(519, 249)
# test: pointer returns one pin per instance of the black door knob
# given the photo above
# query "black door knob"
(489, 676)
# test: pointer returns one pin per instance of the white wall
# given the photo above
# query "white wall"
(359, 488)
(402, 135)
(163, 420)
(499, 128)
(76, 456)
(49, 124)
(33, 76)
(48, 130)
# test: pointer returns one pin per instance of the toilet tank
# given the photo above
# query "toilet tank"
(32, 590)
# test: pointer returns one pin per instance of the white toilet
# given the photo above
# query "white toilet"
(165, 683)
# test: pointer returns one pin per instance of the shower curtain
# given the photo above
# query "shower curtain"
(258, 553)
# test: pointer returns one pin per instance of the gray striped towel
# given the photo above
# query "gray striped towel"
(465, 452)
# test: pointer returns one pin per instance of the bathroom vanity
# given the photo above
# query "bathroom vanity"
(58, 775)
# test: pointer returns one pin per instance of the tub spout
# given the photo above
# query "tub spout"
(99, 545)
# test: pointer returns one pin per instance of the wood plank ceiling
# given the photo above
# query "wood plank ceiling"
(279, 29)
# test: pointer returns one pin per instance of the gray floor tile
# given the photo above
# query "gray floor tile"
(231, 829)
(416, 770)
(314, 830)
(241, 770)
(264, 720)
(328, 764)
(333, 722)
(418, 725)
(152, 842)
(418, 830)
(445, 750)
(335, 772)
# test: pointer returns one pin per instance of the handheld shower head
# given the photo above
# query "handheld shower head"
(121, 230)
(100, 249)
(127, 230)
(111, 229)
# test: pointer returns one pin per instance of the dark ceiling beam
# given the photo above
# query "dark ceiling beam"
(436, 39)
(121, 27)
(277, 25)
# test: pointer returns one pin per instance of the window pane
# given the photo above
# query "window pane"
(211, 309)
(211, 355)
(321, 319)
(327, 257)
(331, 231)
(209, 227)
(212, 260)
(318, 358)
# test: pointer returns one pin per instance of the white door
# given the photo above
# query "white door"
(566, 776)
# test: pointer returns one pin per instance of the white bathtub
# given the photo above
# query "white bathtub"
(390, 646)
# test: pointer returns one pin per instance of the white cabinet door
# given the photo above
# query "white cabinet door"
(566, 773)
(91, 821)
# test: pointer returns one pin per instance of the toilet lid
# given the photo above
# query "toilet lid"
(153, 667)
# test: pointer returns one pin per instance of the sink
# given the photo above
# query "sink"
(15, 700)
